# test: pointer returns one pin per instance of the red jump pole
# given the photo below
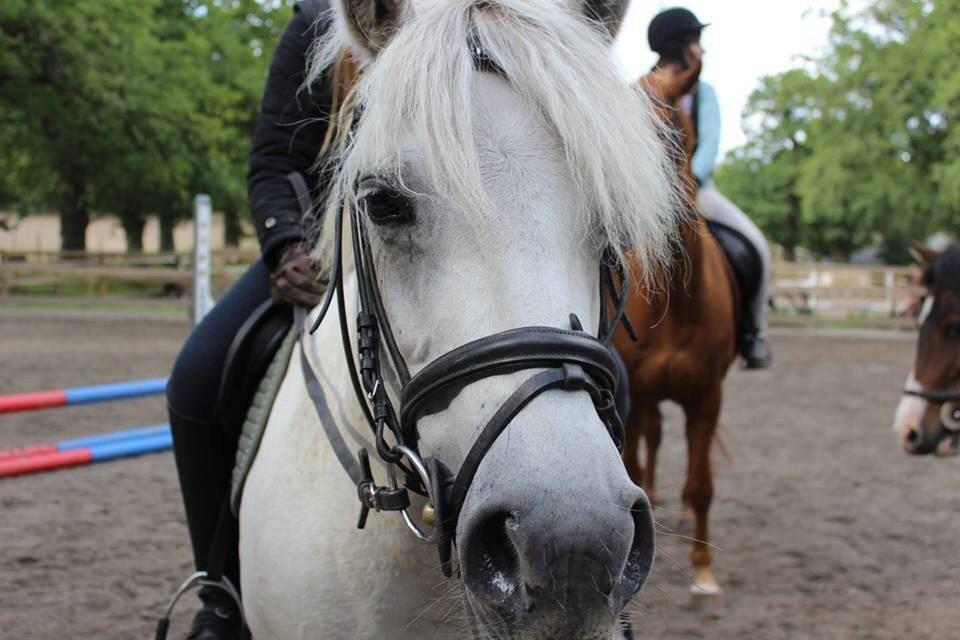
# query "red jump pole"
(23, 452)
(44, 462)
(31, 401)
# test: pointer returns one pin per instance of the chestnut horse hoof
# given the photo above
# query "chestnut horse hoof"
(704, 584)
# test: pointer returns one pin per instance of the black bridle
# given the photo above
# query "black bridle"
(570, 360)
(949, 401)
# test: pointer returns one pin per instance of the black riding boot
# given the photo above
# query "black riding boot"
(205, 456)
(218, 619)
(755, 351)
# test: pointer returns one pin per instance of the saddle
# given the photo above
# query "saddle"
(746, 266)
(251, 352)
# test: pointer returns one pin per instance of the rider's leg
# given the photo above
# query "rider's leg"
(714, 206)
(204, 451)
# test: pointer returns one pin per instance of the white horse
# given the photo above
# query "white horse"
(497, 156)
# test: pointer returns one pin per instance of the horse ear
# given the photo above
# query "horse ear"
(923, 254)
(608, 14)
(371, 23)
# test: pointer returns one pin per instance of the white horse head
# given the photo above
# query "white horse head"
(497, 156)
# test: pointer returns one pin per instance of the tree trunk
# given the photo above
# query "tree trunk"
(74, 211)
(792, 235)
(74, 218)
(133, 223)
(231, 227)
(167, 222)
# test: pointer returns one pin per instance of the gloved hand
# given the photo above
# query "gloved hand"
(295, 280)
(669, 84)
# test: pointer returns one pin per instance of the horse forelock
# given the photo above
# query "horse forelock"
(422, 82)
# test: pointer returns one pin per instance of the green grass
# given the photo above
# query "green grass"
(81, 289)
(99, 305)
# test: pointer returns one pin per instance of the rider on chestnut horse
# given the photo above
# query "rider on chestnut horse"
(675, 35)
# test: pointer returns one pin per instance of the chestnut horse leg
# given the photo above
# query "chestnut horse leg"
(633, 430)
(702, 420)
(652, 431)
(644, 421)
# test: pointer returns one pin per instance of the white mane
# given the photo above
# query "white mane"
(421, 82)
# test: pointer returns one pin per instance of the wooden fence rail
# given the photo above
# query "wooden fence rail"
(96, 272)
(132, 259)
(836, 291)
(839, 289)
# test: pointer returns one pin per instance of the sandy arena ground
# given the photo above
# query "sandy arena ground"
(824, 529)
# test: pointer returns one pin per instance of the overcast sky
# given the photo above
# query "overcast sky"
(746, 40)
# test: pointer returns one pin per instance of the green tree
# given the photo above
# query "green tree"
(65, 90)
(861, 143)
(763, 176)
(131, 107)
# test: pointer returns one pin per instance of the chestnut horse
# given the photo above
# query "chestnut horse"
(928, 416)
(686, 341)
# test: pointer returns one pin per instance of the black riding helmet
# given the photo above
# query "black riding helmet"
(668, 28)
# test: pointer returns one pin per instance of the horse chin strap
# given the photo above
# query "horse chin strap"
(564, 359)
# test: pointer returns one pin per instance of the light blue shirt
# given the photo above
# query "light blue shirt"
(708, 134)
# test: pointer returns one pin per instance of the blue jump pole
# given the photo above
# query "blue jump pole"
(89, 450)
(113, 437)
(130, 447)
(115, 391)
(81, 395)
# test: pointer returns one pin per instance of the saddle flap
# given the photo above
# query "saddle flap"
(250, 354)
(251, 435)
(742, 257)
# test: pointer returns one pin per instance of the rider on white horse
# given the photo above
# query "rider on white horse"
(289, 133)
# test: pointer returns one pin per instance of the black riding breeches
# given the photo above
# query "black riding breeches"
(195, 381)
(205, 452)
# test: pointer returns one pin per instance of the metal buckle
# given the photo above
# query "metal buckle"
(375, 497)
(950, 416)
(417, 463)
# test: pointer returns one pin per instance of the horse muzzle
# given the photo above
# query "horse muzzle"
(552, 568)
(941, 438)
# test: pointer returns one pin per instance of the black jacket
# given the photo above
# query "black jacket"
(288, 134)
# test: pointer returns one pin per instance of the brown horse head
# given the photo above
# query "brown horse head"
(667, 89)
(928, 417)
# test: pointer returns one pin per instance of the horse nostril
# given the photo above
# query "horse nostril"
(640, 558)
(914, 442)
(491, 564)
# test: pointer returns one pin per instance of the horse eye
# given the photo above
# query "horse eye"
(952, 330)
(387, 205)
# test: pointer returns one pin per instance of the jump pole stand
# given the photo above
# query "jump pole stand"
(202, 223)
